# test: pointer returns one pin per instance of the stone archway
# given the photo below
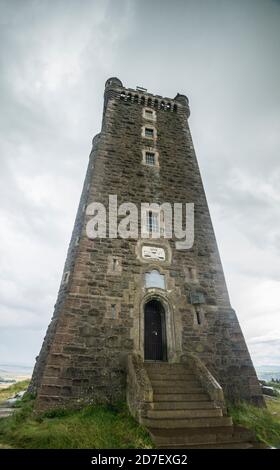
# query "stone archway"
(172, 346)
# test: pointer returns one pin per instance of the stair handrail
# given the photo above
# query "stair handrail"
(139, 387)
(206, 379)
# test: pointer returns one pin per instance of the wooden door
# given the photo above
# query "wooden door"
(154, 337)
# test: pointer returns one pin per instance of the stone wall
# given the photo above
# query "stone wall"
(84, 353)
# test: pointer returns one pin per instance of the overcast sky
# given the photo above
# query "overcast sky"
(55, 58)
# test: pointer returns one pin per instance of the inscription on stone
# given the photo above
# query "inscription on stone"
(153, 252)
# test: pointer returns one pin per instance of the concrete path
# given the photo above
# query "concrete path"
(5, 410)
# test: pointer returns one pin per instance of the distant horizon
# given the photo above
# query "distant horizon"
(13, 364)
(27, 366)
(15, 371)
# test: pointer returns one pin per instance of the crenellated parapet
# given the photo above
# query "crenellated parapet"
(140, 97)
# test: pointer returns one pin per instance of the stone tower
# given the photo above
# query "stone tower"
(142, 296)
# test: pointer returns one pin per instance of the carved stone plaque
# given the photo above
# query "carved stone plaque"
(153, 252)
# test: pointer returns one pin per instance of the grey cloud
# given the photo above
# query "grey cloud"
(265, 350)
(55, 58)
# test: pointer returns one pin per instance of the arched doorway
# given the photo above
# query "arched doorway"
(154, 331)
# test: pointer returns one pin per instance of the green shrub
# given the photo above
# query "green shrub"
(265, 422)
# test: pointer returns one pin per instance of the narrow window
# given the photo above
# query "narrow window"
(113, 311)
(65, 277)
(115, 264)
(152, 222)
(150, 158)
(149, 132)
(148, 113)
(198, 317)
(193, 274)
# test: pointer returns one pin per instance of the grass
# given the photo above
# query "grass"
(8, 392)
(108, 426)
(93, 427)
(265, 422)
(274, 384)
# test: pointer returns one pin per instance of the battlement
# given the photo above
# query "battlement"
(115, 89)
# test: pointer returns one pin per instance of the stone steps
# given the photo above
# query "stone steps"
(170, 372)
(171, 377)
(182, 405)
(193, 413)
(165, 365)
(175, 423)
(195, 438)
(181, 388)
(175, 382)
(180, 397)
(183, 416)
(227, 445)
